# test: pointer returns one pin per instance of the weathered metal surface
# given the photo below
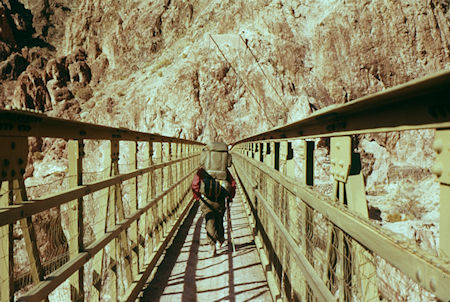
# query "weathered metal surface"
(421, 103)
(434, 272)
(25, 209)
(441, 169)
(75, 213)
(20, 123)
(59, 276)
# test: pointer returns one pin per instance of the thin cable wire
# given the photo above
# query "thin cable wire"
(257, 62)
(254, 97)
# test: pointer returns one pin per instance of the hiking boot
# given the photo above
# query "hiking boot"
(220, 243)
(213, 250)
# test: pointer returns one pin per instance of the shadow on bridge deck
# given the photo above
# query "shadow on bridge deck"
(187, 272)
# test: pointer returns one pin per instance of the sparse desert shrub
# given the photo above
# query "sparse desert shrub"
(408, 201)
(38, 155)
(161, 64)
(84, 93)
(395, 217)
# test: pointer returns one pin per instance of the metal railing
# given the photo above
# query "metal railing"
(318, 240)
(98, 227)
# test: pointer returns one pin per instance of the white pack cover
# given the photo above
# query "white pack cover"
(215, 159)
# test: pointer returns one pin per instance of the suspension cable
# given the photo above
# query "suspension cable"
(243, 82)
(257, 62)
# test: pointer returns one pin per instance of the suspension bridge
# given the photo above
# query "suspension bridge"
(120, 223)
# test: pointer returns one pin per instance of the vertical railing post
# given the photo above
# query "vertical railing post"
(257, 151)
(123, 252)
(110, 222)
(178, 175)
(441, 169)
(151, 193)
(306, 152)
(143, 222)
(349, 190)
(167, 200)
(99, 228)
(75, 211)
(13, 156)
(133, 231)
(286, 218)
(159, 188)
(150, 219)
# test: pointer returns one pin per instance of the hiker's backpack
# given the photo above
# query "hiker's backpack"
(215, 190)
(215, 159)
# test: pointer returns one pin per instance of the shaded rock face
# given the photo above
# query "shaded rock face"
(16, 22)
(11, 68)
(304, 57)
(31, 91)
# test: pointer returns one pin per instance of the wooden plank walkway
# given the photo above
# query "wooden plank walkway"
(187, 271)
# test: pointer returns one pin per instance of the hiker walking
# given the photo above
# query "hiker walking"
(214, 186)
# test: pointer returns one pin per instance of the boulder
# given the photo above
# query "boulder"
(6, 32)
(80, 72)
(99, 68)
(13, 67)
(37, 56)
(78, 55)
(56, 70)
(58, 92)
(5, 51)
(31, 91)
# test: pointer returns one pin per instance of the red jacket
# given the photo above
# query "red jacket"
(197, 180)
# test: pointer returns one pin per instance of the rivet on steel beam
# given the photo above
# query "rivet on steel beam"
(13, 173)
(20, 161)
(437, 169)
(433, 284)
(6, 162)
(438, 145)
(4, 174)
(419, 276)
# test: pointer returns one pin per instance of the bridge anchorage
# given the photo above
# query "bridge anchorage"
(109, 215)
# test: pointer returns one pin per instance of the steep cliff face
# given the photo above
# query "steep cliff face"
(303, 57)
(292, 57)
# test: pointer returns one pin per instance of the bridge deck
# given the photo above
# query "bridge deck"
(187, 272)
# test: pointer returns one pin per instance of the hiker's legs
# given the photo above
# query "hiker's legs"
(219, 226)
(213, 224)
(210, 225)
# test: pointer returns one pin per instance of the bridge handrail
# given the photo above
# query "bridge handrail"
(418, 104)
(385, 243)
(28, 208)
(163, 175)
(23, 123)
(56, 278)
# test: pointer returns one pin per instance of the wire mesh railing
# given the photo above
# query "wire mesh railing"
(94, 228)
(320, 226)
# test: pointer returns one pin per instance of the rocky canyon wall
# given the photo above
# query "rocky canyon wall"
(155, 64)
(224, 70)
